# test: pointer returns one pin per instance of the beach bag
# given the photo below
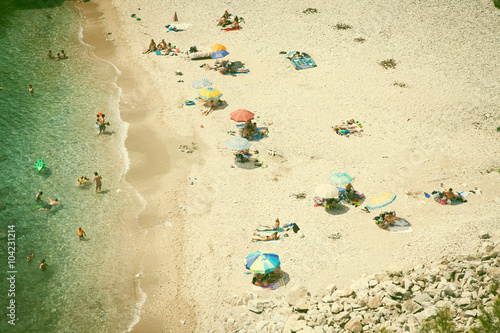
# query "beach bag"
(193, 49)
(295, 228)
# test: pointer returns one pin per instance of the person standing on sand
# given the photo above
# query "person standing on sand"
(98, 182)
(80, 233)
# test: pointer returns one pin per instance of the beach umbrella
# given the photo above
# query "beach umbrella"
(340, 178)
(201, 83)
(218, 47)
(265, 263)
(250, 259)
(381, 200)
(209, 93)
(241, 115)
(237, 143)
(219, 54)
(327, 191)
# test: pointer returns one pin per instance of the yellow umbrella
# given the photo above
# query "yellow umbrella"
(209, 93)
(381, 200)
(218, 47)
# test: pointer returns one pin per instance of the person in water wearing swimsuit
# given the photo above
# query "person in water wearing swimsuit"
(30, 89)
(43, 265)
(50, 204)
(38, 197)
(274, 236)
(80, 233)
(98, 182)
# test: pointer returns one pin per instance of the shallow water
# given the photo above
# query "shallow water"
(57, 124)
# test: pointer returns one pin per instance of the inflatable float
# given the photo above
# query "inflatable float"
(40, 165)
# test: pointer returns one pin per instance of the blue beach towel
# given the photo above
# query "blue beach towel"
(301, 60)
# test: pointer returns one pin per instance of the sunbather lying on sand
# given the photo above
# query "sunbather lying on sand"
(261, 238)
(275, 227)
(234, 24)
(152, 47)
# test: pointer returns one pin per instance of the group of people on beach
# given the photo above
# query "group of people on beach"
(162, 46)
(228, 21)
(250, 130)
(59, 56)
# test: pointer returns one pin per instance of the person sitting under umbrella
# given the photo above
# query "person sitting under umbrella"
(260, 280)
(249, 130)
(211, 105)
(265, 238)
(386, 219)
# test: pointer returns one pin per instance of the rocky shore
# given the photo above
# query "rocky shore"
(392, 301)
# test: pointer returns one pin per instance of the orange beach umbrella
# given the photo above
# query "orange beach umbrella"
(241, 115)
(218, 47)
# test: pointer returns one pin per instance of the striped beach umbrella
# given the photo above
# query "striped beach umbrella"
(250, 259)
(237, 143)
(219, 54)
(217, 47)
(201, 83)
(381, 200)
(209, 93)
(265, 263)
(340, 178)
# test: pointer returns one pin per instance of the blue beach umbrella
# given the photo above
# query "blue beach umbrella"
(340, 178)
(381, 200)
(201, 83)
(237, 143)
(250, 259)
(219, 54)
(265, 263)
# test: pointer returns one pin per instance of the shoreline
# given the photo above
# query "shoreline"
(148, 164)
(393, 155)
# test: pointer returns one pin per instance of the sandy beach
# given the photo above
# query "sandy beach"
(435, 113)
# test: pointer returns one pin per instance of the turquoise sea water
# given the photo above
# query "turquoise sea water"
(85, 288)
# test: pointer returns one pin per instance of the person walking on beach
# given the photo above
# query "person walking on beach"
(30, 89)
(98, 182)
(38, 197)
(80, 233)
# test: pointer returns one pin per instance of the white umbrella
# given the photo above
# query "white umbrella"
(327, 191)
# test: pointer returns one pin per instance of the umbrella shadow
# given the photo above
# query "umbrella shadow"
(222, 105)
(250, 165)
(286, 277)
(237, 65)
(337, 209)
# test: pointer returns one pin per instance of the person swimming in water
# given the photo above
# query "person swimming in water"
(43, 265)
(49, 205)
(38, 197)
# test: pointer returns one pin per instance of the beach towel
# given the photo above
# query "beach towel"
(463, 194)
(233, 29)
(301, 60)
(237, 71)
(270, 241)
(262, 227)
(178, 27)
(400, 225)
(272, 286)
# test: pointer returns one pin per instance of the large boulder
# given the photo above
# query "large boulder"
(295, 294)
(354, 325)
(257, 305)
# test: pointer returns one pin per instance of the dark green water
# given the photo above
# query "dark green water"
(79, 291)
